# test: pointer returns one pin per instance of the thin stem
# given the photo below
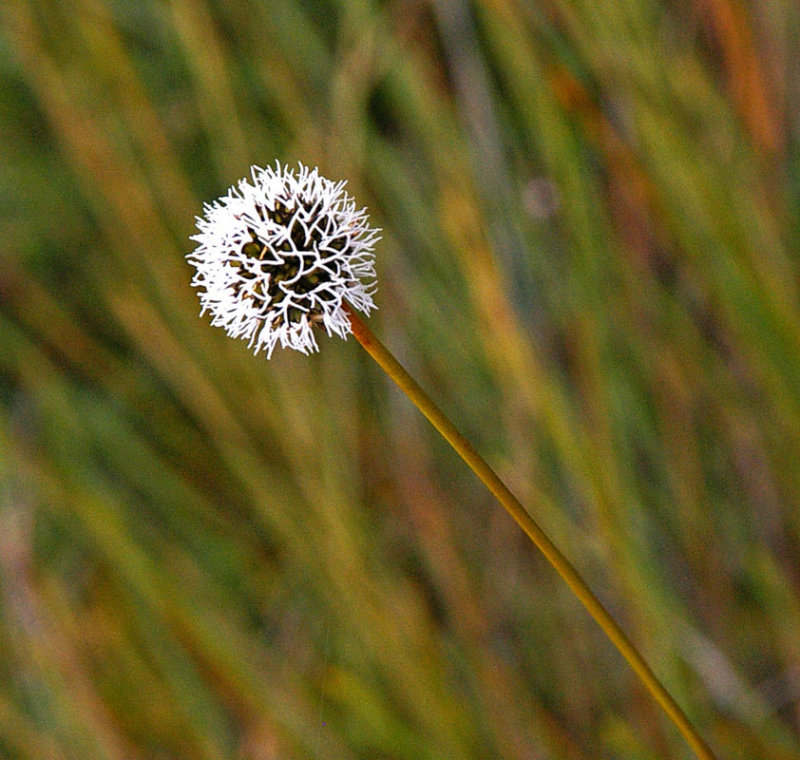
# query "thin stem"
(562, 565)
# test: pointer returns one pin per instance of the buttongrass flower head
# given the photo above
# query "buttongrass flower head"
(281, 254)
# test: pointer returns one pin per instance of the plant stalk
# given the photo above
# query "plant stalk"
(562, 565)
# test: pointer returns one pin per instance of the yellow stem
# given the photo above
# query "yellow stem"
(562, 565)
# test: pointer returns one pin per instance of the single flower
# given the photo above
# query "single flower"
(282, 253)
(289, 251)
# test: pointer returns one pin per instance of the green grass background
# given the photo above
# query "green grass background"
(590, 260)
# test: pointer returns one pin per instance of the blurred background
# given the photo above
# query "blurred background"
(589, 259)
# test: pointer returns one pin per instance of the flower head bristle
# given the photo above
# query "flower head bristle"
(280, 254)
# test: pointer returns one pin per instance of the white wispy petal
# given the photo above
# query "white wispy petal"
(281, 253)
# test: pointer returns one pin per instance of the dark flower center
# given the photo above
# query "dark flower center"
(302, 254)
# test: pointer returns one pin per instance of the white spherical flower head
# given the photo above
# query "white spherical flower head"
(281, 254)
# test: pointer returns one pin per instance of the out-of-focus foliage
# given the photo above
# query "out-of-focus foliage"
(591, 226)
